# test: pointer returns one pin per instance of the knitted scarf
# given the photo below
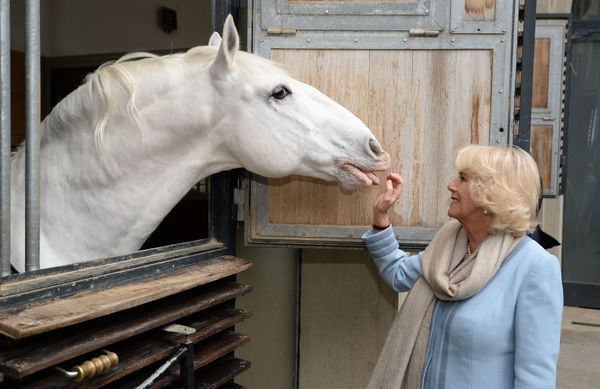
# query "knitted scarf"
(400, 363)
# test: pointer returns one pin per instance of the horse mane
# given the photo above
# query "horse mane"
(120, 75)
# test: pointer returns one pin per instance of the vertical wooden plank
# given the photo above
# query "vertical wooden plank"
(541, 150)
(480, 10)
(541, 73)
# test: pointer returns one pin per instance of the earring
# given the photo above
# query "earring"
(485, 211)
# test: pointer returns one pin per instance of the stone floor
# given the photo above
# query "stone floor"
(579, 359)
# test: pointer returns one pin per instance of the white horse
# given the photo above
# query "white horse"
(118, 153)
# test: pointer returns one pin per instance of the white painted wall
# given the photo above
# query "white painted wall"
(75, 27)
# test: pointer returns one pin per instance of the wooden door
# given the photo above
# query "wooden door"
(425, 84)
(547, 101)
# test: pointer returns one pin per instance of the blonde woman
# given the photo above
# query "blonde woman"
(485, 302)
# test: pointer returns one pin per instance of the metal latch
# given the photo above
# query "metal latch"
(91, 368)
(281, 31)
(423, 32)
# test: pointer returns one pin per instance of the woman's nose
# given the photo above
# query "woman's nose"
(452, 185)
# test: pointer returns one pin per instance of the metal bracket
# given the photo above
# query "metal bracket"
(281, 31)
(179, 329)
(416, 32)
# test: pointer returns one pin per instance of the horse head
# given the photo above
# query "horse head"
(278, 126)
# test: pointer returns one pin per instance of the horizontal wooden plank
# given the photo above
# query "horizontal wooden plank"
(216, 347)
(219, 372)
(53, 276)
(144, 354)
(22, 360)
(37, 319)
(206, 355)
(141, 362)
(214, 375)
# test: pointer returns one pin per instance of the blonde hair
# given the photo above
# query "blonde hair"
(504, 181)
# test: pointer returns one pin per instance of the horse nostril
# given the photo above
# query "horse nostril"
(375, 147)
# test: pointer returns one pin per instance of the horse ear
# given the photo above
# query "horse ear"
(215, 39)
(229, 46)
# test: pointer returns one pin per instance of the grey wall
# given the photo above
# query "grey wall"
(75, 27)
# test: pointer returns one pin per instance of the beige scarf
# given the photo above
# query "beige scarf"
(400, 364)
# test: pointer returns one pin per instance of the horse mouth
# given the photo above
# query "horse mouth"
(359, 177)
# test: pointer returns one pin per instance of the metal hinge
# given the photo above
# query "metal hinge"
(281, 31)
(422, 32)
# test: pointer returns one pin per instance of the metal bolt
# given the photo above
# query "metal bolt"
(502, 40)
(426, 11)
(404, 39)
(355, 40)
(452, 40)
(501, 91)
(504, 30)
(308, 39)
(498, 140)
(262, 39)
(453, 30)
(326, 11)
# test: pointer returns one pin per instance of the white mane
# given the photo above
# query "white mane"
(114, 78)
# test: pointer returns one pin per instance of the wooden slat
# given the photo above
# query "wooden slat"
(37, 319)
(480, 10)
(21, 361)
(216, 347)
(541, 150)
(220, 372)
(204, 354)
(541, 73)
(54, 276)
(213, 375)
(143, 354)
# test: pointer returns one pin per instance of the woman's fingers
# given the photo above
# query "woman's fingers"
(394, 184)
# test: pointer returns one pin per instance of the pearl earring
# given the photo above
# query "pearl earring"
(485, 211)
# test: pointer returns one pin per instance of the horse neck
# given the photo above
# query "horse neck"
(118, 194)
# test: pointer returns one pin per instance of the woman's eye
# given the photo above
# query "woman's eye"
(280, 92)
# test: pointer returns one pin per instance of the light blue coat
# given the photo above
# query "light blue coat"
(506, 336)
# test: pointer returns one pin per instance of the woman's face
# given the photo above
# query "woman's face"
(461, 205)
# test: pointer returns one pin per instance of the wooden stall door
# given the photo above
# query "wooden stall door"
(425, 80)
(547, 101)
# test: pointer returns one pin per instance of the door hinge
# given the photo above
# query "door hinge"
(422, 32)
(281, 31)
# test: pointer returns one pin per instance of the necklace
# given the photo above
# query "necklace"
(468, 249)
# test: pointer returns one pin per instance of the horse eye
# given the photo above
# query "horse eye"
(280, 92)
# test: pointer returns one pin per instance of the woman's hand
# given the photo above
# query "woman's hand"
(394, 184)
